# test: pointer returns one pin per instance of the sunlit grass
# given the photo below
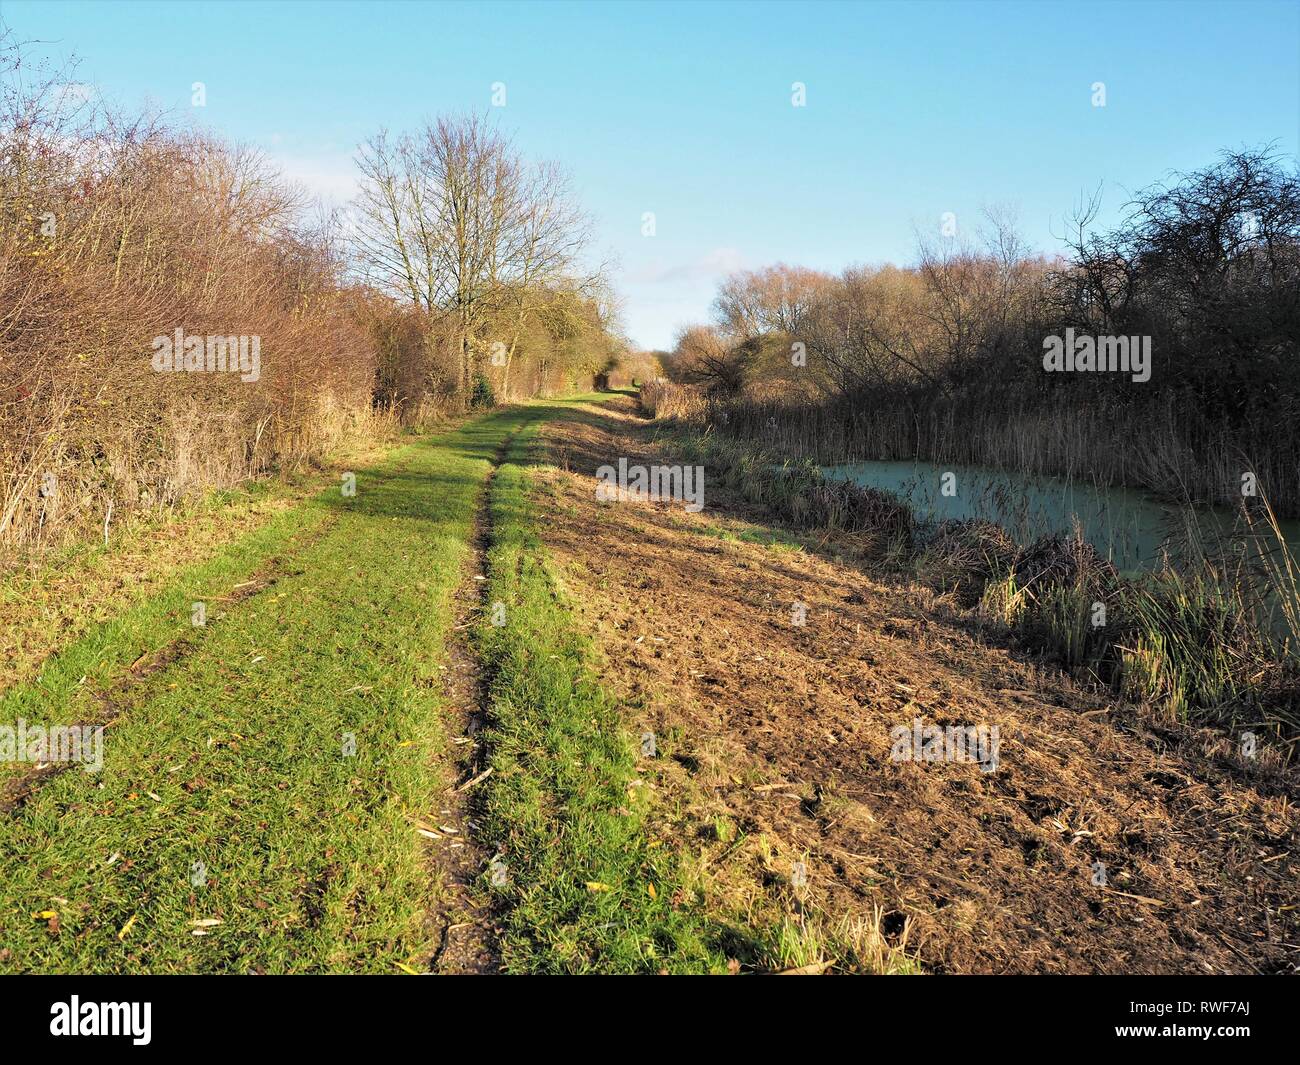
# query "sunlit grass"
(229, 794)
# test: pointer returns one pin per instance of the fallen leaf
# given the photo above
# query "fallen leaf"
(816, 969)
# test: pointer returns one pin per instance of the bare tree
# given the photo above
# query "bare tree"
(777, 299)
(545, 240)
(455, 220)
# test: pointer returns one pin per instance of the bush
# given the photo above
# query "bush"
(482, 397)
(118, 231)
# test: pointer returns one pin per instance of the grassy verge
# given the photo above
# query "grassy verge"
(64, 690)
(51, 597)
(584, 886)
(254, 812)
(61, 599)
(73, 620)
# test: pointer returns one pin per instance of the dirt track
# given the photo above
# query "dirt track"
(990, 872)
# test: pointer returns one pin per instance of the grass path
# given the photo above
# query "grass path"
(586, 888)
(257, 803)
(287, 788)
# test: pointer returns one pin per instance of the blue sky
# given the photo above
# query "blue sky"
(913, 109)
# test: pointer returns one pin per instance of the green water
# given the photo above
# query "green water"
(1125, 525)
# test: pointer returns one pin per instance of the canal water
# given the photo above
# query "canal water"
(1125, 525)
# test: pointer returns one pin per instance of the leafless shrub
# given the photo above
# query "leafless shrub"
(115, 230)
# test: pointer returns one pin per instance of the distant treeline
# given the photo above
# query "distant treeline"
(125, 236)
(944, 360)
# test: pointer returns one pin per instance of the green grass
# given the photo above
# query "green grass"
(233, 756)
(773, 539)
(82, 592)
(62, 690)
(585, 887)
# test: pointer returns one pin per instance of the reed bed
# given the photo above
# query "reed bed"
(664, 399)
(801, 493)
(1203, 639)
(1163, 446)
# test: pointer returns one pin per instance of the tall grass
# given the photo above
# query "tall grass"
(664, 399)
(802, 493)
(1201, 640)
(1163, 445)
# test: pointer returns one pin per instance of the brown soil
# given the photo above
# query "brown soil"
(988, 872)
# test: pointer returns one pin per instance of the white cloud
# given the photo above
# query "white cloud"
(333, 179)
(708, 267)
